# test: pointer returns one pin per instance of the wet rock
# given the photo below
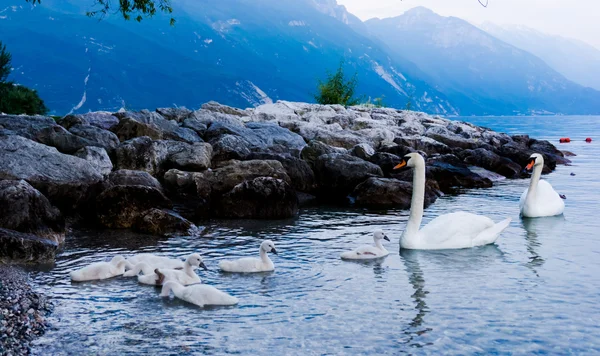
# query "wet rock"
(489, 160)
(24, 209)
(67, 181)
(189, 157)
(97, 157)
(175, 114)
(338, 174)
(451, 173)
(143, 154)
(301, 175)
(385, 161)
(315, 149)
(19, 247)
(260, 198)
(182, 184)
(129, 177)
(363, 151)
(388, 193)
(190, 192)
(552, 156)
(99, 137)
(164, 223)
(118, 207)
(223, 179)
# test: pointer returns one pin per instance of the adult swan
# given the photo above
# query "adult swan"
(539, 199)
(449, 231)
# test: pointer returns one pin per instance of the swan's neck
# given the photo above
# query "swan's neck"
(264, 257)
(120, 267)
(416, 204)
(535, 179)
(189, 270)
(379, 245)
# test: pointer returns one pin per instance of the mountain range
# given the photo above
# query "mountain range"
(248, 52)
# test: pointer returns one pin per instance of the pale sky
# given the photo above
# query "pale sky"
(578, 19)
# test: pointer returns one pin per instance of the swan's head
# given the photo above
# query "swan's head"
(195, 260)
(535, 159)
(411, 160)
(268, 246)
(115, 260)
(380, 235)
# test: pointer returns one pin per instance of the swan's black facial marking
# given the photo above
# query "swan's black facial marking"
(273, 250)
(386, 238)
(160, 277)
(203, 266)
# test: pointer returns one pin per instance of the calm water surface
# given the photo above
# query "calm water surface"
(536, 291)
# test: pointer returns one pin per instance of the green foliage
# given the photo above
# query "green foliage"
(376, 103)
(138, 9)
(337, 89)
(16, 99)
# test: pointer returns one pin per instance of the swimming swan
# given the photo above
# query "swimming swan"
(448, 231)
(156, 261)
(252, 264)
(101, 270)
(186, 276)
(368, 252)
(540, 199)
(199, 294)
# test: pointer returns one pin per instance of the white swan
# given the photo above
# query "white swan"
(186, 276)
(539, 199)
(368, 252)
(156, 261)
(252, 264)
(101, 270)
(449, 231)
(199, 294)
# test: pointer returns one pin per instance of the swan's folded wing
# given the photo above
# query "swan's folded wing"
(456, 228)
(368, 250)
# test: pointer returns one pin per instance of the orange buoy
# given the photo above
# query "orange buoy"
(588, 140)
(565, 140)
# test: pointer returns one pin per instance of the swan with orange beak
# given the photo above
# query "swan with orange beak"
(540, 199)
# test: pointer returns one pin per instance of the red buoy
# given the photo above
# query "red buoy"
(565, 140)
(588, 140)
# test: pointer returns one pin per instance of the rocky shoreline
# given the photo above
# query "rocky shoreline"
(160, 172)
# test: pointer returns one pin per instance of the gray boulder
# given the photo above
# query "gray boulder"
(129, 177)
(19, 247)
(142, 154)
(301, 175)
(316, 149)
(152, 124)
(175, 114)
(223, 109)
(390, 193)
(24, 209)
(277, 139)
(97, 157)
(363, 151)
(67, 181)
(223, 179)
(195, 125)
(338, 174)
(166, 223)
(129, 128)
(101, 119)
(189, 157)
(489, 160)
(99, 137)
(229, 147)
(260, 198)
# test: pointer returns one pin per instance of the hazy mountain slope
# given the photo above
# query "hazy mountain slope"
(576, 60)
(479, 73)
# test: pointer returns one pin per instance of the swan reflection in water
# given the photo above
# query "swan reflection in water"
(536, 229)
(449, 261)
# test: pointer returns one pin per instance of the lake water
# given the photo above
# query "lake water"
(537, 290)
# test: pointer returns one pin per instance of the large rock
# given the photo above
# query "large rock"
(388, 193)
(26, 126)
(25, 248)
(451, 173)
(119, 206)
(223, 109)
(316, 149)
(175, 114)
(552, 155)
(195, 125)
(228, 147)
(223, 179)
(189, 157)
(277, 139)
(97, 157)
(190, 192)
(260, 198)
(385, 161)
(301, 175)
(425, 144)
(489, 160)
(67, 181)
(129, 177)
(338, 174)
(99, 137)
(24, 209)
(362, 151)
(445, 136)
(333, 134)
(143, 154)
(152, 124)
(164, 223)
(216, 130)
(101, 119)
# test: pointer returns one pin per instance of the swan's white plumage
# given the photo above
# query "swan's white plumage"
(449, 231)
(368, 252)
(101, 270)
(540, 199)
(252, 264)
(156, 261)
(198, 294)
(186, 276)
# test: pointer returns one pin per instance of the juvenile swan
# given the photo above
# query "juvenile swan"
(185, 276)
(252, 264)
(540, 199)
(199, 294)
(101, 270)
(449, 231)
(368, 252)
(156, 261)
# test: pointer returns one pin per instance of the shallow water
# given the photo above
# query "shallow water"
(535, 291)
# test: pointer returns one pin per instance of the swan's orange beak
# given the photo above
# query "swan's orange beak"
(400, 165)
(530, 165)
